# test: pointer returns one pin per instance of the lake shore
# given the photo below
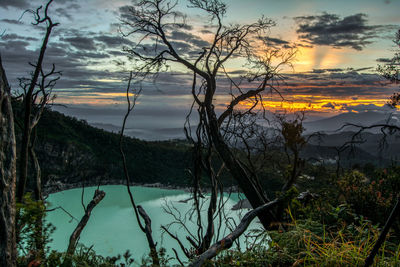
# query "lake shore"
(58, 186)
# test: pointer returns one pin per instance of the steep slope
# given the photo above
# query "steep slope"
(72, 152)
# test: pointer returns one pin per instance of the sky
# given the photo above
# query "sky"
(339, 46)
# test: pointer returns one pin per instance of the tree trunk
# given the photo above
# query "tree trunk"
(28, 103)
(36, 166)
(24, 154)
(148, 232)
(250, 190)
(8, 251)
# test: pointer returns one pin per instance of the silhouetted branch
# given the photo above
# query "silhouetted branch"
(73, 240)
(137, 209)
(148, 232)
(29, 85)
(227, 241)
(64, 210)
(184, 250)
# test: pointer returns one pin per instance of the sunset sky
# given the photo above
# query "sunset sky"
(340, 44)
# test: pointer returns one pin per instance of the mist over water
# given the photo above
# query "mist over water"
(112, 228)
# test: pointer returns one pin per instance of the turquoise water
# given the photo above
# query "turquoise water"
(112, 228)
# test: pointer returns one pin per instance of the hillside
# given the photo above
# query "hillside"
(72, 152)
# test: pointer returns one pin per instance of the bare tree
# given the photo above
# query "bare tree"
(139, 211)
(8, 252)
(36, 95)
(154, 20)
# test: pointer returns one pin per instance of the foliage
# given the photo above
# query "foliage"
(309, 243)
(374, 196)
(86, 257)
(337, 228)
(34, 232)
(165, 259)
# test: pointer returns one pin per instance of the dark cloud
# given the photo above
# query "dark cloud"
(327, 70)
(205, 31)
(125, 12)
(329, 29)
(80, 42)
(384, 60)
(181, 47)
(329, 105)
(337, 84)
(304, 45)
(90, 55)
(63, 12)
(363, 69)
(150, 49)
(116, 53)
(71, 32)
(12, 21)
(319, 71)
(364, 108)
(65, 1)
(189, 38)
(274, 41)
(185, 27)
(15, 3)
(14, 36)
(15, 44)
(113, 41)
(72, 62)
(238, 72)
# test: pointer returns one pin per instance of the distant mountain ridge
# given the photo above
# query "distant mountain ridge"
(336, 123)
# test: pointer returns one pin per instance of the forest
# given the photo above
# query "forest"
(314, 204)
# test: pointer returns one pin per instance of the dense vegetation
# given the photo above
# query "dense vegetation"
(71, 151)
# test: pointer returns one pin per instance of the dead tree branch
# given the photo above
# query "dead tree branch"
(139, 211)
(148, 232)
(73, 240)
(30, 96)
(227, 241)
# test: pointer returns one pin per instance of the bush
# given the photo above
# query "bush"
(309, 243)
